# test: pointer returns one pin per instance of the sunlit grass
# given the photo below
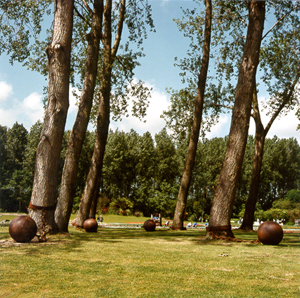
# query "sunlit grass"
(136, 263)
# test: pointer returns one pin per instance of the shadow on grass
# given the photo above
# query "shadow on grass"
(76, 238)
(194, 236)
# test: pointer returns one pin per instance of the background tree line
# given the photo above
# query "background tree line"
(141, 174)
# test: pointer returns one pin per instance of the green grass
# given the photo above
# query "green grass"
(110, 218)
(136, 263)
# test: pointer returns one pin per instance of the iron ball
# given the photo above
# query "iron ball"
(270, 233)
(90, 225)
(22, 228)
(149, 225)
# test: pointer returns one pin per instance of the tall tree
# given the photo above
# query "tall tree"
(194, 136)
(260, 135)
(281, 75)
(166, 175)
(16, 140)
(29, 161)
(221, 210)
(145, 173)
(103, 113)
(110, 49)
(44, 192)
(69, 175)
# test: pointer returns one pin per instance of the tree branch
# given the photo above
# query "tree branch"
(287, 94)
(119, 30)
(217, 105)
(79, 14)
(87, 7)
(278, 22)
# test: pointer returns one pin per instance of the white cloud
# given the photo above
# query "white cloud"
(221, 129)
(7, 117)
(73, 108)
(33, 108)
(154, 124)
(6, 90)
(26, 112)
(283, 126)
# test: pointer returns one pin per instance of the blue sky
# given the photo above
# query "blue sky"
(21, 90)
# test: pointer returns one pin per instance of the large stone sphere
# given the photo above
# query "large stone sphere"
(90, 225)
(270, 233)
(149, 225)
(22, 229)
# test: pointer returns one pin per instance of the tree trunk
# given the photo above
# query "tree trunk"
(221, 210)
(44, 192)
(256, 168)
(69, 175)
(93, 209)
(102, 123)
(97, 161)
(194, 137)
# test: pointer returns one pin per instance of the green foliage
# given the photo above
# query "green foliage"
(13, 186)
(280, 170)
(124, 86)
(121, 206)
(281, 209)
(21, 26)
(293, 196)
(146, 171)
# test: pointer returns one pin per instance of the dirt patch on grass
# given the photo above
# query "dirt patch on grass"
(10, 242)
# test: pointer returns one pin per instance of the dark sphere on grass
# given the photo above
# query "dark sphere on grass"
(270, 233)
(22, 229)
(90, 225)
(149, 225)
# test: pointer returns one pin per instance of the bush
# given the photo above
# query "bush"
(282, 204)
(293, 196)
(275, 213)
(294, 214)
(193, 217)
(76, 204)
(138, 214)
(120, 205)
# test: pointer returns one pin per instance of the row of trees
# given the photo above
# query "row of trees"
(240, 47)
(144, 173)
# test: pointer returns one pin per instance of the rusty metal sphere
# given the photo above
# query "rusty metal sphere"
(270, 233)
(90, 225)
(149, 225)
(22, 229)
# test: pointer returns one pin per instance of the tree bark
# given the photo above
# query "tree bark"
(260, 136)
(256, 167)
(93, 209)
(194, 137)
(68, 185)
(221, 210)
(97, 160)
(44, 193)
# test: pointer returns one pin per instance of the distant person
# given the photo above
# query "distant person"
(194, 225)
(101, 218)
(167, 223)
(189, 224)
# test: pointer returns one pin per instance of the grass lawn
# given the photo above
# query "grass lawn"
(136, 263)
